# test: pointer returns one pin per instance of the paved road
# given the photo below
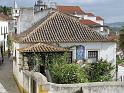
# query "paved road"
(6, 77)
(2, 89)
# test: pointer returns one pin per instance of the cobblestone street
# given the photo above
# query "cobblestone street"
(6, 77)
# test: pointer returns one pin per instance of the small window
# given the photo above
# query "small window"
(69, 60)
(6, 30)
(16, 11)
(15, 30)
(1, 30)
(16, 23)
(41, 9)
(93, 56)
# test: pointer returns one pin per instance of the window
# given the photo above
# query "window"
(69, 53)
(41, 9)
(6, 30)
(15, 30)
(93, 56)
(1, 30)
(16, 11)
(15, 23)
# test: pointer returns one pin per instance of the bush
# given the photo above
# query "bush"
(68, 74)
(100, 71)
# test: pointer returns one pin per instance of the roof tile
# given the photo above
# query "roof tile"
(61, 28)
(41, 47)
(88, 22)
(71, 9)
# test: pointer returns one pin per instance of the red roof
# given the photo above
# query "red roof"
(89, 14)
(98, 18)
(3, 17)
(88, 22)
(70, 9)
(113, 37)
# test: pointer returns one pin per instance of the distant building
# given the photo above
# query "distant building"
(78, 12)
(40, 5)
(3, 31)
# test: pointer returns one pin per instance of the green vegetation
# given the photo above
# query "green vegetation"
(73, 73)
(119, 61)
(68, 74)
(9, 41)
(64, 73)
(5, 10)
(100, 71)
(121, 39)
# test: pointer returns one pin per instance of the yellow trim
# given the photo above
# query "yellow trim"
(41, 90)
(22, 90)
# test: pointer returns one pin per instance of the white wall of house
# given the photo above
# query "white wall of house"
(92, 18)
(3, 33)
(80, 16)
(106, 50)
(17, 72)
(101, 22)
(23, 79)
(120, 73)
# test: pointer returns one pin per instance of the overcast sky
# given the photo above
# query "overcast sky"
(110, 10)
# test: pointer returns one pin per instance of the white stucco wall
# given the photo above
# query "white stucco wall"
(106, 50)
(23, 79)
(3, 31)
(120, 73)
(80, 16)
(16, 71)
(92, 18)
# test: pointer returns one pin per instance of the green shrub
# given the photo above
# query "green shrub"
(68, 74)
(100, 71)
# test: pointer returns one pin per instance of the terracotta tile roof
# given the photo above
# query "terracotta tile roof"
(88, 22)
(3, 17)
(41, 47)
(71, 9)
(89, 14)
(60, 28)
(98, 18)
(113, 37)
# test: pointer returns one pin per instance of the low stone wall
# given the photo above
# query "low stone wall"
(99, 87)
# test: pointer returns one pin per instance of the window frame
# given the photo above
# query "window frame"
(93, 50)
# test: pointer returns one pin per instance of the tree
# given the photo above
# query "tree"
(100, 71)
(64, 73)
(68, 74)
(5, 10)
(9, 41)
(121, 39)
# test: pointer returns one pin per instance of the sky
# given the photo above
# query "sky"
(110, 10)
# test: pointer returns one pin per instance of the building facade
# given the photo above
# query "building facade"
(84, 16)
(63, 31)
(3, 32)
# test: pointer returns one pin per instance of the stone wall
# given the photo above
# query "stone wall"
(100, 87)
(96, 87)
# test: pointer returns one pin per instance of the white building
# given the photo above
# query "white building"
(62, 31)
(78, 12)
(3, 31)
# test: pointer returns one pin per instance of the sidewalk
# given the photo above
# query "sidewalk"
(2, 89)
(6, 77)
